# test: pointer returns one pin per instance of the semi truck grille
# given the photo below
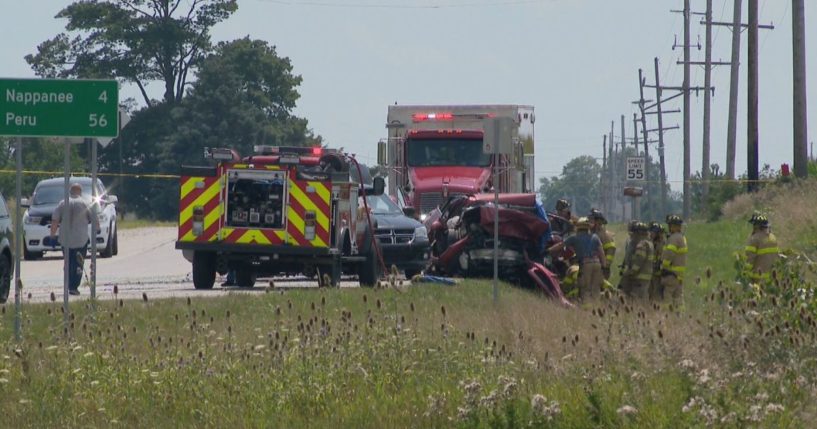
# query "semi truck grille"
(431, 200)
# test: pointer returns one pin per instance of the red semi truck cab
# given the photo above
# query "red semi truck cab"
(435, 152)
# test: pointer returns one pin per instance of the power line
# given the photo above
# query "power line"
(404, 6)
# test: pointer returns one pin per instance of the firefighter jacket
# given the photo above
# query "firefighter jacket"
(658, 251)
(629, 248)
(761, 252)
(674, 256)
(607, 243)
(641, 260)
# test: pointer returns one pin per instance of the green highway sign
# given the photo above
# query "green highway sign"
(59, 108)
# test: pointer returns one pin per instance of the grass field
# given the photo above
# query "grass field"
(427, 356)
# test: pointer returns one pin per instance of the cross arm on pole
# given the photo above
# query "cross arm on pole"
(732, 24)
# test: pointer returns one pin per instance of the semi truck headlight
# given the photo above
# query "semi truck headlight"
(421, 232)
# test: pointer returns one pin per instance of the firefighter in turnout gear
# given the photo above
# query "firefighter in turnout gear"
(637, 273)
(658, 237)
(607, 241)
(761, 250)
(628, 247)
(561, 222)
(588, 249)
(673, 261)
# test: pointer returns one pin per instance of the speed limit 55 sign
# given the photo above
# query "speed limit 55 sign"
(635, 168)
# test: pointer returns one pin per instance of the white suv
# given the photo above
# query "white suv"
(47, 195)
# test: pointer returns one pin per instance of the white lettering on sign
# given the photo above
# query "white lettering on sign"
(19, 120)
(635, 168)
(35, 98)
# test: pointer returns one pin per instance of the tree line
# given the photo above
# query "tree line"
(237, 94)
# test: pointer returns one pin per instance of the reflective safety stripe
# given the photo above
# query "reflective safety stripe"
(610, 245)
(676, 249)
(610, 258)
(751, 249)
(759, 276)
(678, 269)
(768, 250)
(296, 192)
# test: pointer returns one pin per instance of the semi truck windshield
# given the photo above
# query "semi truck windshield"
(446, 152)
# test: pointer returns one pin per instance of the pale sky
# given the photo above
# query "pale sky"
(576, 61)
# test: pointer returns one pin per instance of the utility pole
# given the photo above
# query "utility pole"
(635, 133)
(687, 106)
(731, 137)
(661, 141)
(707, 103)
(642, 107)
(732, 125)
(753, 130)
(659, 89)
(613, 168)
(800, 109)
(603, 183)
(623, 161)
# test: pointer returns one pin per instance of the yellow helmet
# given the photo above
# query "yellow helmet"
(674, 220)
(760, 220)
(583, 223)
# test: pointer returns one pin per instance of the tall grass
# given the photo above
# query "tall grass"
(791, 210)
(425, 356)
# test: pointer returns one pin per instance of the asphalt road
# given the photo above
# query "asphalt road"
(147, 263)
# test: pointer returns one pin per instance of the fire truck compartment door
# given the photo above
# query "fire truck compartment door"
(256, 199)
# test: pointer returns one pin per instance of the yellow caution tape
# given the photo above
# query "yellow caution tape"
(88, 173)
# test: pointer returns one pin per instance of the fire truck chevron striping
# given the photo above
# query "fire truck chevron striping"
(203, 192)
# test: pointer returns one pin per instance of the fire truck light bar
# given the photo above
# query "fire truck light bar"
(294, 150)
(420, 117)
(219, 154)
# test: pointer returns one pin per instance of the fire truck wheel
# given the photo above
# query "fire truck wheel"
(204, 270)
(370, 271)
(245, 278)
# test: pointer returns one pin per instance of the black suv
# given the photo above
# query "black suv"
(6, 240)
(403, 240)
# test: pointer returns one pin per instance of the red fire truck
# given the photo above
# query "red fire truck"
(436, 152)
(283, 210)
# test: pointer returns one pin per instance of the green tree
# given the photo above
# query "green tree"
(137, 41)
(243, 96)
(43, 158)
(578, 183)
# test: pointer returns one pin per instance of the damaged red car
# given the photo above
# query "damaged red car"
(462, 240)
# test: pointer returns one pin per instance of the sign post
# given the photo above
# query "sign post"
(497, 138)
(55, 108)
(18, 240)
